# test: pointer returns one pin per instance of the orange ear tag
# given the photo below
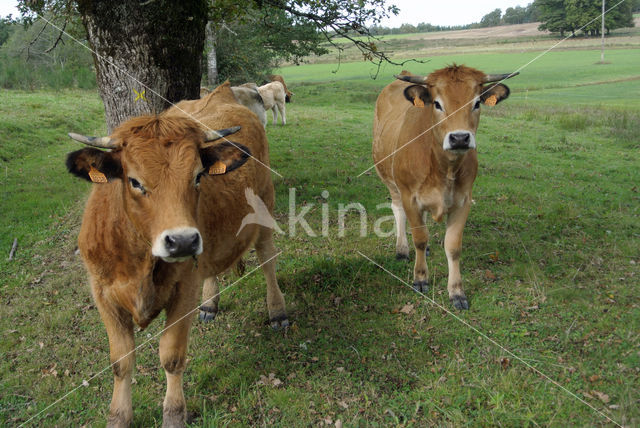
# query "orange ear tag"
(96, 176)
(217, 168)
(418, 102)
(491, 101)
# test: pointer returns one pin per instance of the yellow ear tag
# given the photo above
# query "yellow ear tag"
(96, 176)
(418, 102)
(491, 101)
(217, 168)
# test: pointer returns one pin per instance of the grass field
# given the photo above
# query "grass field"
(550, 263)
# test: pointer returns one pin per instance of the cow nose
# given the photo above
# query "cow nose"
(459, 140)
(182, 245)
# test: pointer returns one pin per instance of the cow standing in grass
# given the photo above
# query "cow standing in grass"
(273, 96)
(424, 147)
(278, 78)
(247, 94)
(164, 216)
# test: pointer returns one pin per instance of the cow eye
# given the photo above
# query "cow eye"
(476, 106)
(437, 105)
(199, 177)
(136, 185)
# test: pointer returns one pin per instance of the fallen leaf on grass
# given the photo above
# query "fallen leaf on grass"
(602, 396)
(272, 380)
(50, 371)
(407, 309)
(489, 276)
(505, 363)
(594, 378)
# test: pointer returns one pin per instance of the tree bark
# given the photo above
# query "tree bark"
(147, 54)
(212, 58)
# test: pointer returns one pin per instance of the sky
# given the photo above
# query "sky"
(447, 12)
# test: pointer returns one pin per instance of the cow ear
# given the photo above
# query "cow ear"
(492, 94)
(418, 95)
(224, 157)
(95, 165)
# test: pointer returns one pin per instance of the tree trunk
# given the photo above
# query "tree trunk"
(146, 54)
(212, 58)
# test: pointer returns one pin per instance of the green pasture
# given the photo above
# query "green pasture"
(550, 263)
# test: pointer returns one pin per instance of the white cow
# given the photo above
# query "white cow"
(248, 96)
(273, 96)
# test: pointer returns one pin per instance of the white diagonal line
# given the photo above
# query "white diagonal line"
(144, 343)
(468, 103)
(156, 93)
(475, 329)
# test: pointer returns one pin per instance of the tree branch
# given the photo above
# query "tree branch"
(59, 39)
(35, 39)
(333, 25)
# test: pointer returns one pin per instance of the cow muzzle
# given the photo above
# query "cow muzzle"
(176, 245)
(459, 141)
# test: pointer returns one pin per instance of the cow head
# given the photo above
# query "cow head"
(451, 97)
(159, 163)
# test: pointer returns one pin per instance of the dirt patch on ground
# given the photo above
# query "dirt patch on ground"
(505, 31)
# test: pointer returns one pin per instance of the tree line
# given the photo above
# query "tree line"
(556, 16)
(569, 16)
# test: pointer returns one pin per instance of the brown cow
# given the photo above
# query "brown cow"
(165, 198)
(436, 117)
(279, 78)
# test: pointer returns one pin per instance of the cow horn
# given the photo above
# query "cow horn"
(101, 142)
(212, 135)
(498, 77)
(411, 78)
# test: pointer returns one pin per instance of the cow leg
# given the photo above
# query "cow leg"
(119, 327)
(275, 300)
(274, 111)
(263, 118)
(283, 114)
(173, 353)
(453, 247)
(210, 299)
(402, 244)
(420, 236)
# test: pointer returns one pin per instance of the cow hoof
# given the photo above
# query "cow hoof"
(402, 256)
(280, 323)
(118, 420)
(173, 418)
(460, 302)
(421, 286)
(207, 314)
